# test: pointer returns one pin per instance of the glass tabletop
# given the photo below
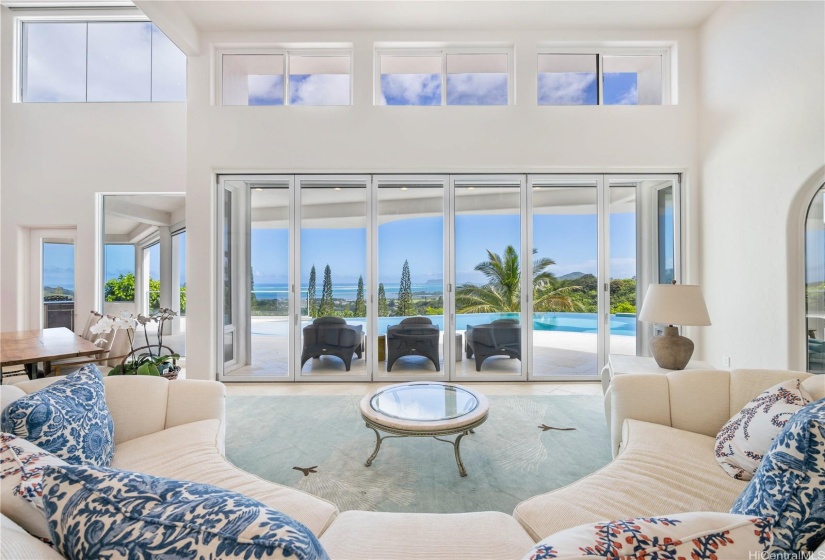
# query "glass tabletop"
(424, 402)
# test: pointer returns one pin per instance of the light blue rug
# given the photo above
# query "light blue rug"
(508, 459)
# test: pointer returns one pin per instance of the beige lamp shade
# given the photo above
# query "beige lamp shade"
(675, 304)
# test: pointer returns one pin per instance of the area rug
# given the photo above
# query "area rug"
(319, 444)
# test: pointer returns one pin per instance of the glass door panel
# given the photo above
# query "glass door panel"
(488, 298)
(334, 283)
(58, 268)
(269, 279)
(565, 233)
(411, 278)
(256, 298)
(623, 268)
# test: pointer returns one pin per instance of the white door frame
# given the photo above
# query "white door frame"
(488, 181)
(37, 237)
(448, 356)
(324, 181)
(588, 181)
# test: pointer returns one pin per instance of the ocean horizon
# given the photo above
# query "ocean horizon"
(344, 291)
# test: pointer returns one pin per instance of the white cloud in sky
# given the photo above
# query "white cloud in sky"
(320, 89)
(477, 89)
(120, 61)
(411, 89)
(263, 87)
(55, 62)
(564, 88)
(630, 97)
(102, 61)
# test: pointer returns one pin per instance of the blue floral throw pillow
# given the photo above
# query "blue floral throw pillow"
(69, 419)
(107, 513)
(789, 485)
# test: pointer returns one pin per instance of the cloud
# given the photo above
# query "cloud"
(630, 97)
(119, 61)
(477, 89)
(265, 90)
(319, 89)
(567, 88)
(55, 62)
(411, 89)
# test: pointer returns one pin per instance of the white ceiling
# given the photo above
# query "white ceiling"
(319, 15)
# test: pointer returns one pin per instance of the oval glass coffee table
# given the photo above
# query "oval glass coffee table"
(424, 409)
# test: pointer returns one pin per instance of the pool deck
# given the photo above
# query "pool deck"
(555, 353)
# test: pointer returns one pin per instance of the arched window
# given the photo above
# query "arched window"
(815, 282)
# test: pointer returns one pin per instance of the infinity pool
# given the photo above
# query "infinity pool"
(621, 325)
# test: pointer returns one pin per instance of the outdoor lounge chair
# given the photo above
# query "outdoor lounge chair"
(499, 338)
(413, 336)
(332, 336)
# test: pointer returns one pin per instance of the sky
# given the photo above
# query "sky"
(120, 259)
(102, 61)
(570, 240)
(58, 265)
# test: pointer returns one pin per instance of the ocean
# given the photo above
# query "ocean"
(344, 291)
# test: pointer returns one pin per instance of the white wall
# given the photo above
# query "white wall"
(368, 138)
(56, 156)
(762, 121)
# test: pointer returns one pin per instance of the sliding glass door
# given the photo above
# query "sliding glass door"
(410, 225)
(488, 251)
(438, 277)
(255, 225)
(565, 271)
(335, 289)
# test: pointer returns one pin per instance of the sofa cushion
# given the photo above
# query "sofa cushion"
(746, 437)
(790, 484)
(191, 452)
(69, 418)
(661, 470)
(696, 535)
(366, 535)
(97, 512)
(21, 491)
(20, 545)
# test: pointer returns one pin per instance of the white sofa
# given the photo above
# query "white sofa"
(664, 428)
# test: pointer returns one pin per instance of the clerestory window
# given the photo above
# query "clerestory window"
(607, 77)
(463, 76)
(99, 61)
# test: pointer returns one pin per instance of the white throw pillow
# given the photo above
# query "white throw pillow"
(695, 535)
(21, 475)
(744, 440)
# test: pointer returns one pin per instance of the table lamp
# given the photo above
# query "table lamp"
(673, 304)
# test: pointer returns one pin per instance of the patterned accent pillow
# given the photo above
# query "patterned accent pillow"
(696, 535)
(69, 419)
(790, 484)
(744, 440)
(21, 492)
(96, 512)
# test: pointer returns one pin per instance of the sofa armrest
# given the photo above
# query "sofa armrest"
(192, 401)
(637, 396)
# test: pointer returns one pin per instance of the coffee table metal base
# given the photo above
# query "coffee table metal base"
(397, 433)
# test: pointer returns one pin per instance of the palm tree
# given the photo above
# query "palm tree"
(502, 292)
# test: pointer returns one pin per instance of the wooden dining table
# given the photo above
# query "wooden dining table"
(42, 345)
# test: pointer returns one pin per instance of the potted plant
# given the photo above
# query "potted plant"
(151, 358)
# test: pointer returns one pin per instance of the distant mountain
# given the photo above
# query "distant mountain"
(572, 276)
(433, 281)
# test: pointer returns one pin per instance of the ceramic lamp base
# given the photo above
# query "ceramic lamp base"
(670, 350)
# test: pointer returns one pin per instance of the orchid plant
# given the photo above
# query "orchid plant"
(147, 363)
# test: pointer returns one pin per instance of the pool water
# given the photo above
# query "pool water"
(621, 324)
